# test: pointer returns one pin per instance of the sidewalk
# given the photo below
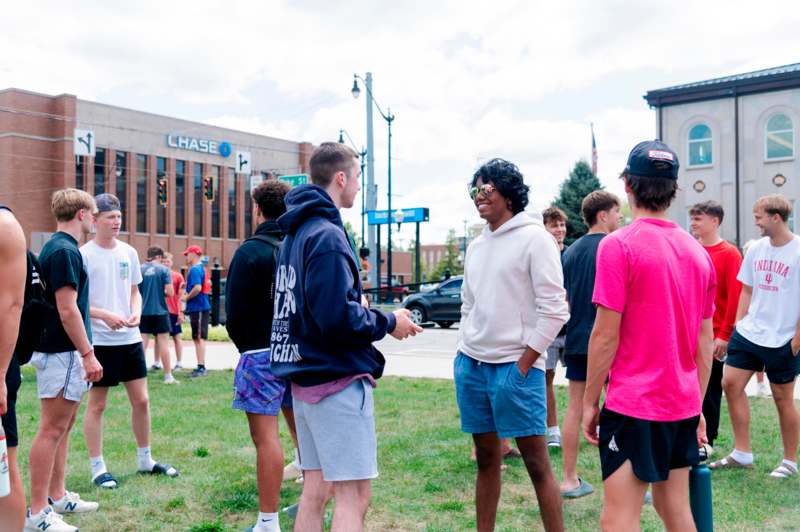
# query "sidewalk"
(429, 354)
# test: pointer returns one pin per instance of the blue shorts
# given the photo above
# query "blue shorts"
(174, 325)
(781, 365)
(576, 367)
(498, 398)
(255, 389)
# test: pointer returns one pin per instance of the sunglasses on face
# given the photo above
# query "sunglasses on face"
(485, 190)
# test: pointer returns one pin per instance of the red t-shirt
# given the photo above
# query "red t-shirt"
(727, 261)
(174, 302)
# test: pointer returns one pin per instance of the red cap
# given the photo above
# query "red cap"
(197, 250)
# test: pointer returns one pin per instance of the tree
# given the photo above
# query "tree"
(451, 260)
(578, 185)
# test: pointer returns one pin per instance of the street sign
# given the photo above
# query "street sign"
(294, 180)
(83, 142)
(419, 214)
(243, 165)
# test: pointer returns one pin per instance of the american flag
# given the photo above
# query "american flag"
(594, 152)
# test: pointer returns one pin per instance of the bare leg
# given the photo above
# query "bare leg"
(288, 416)
(269, 460)
(733, 382)
(12, 507)
(146, 344)
(178, 348)
(55, 421)
(623, 496)
(200, 349)
(487, 486)
(57, 487)
(537, 462)
(162, 352)
(352, 500)
(552, 408)
(93, 420)
(312, 502)
(671, 501)
(570, 441)
(140, 411)
(783, 395)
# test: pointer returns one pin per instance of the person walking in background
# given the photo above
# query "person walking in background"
(156, 287)
(600, 211)
(706, 218)
(175, 310)
(197, 306)
(555, 221)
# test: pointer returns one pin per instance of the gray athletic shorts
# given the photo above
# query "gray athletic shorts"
(555, 353)
(337, 435)
(57, 372)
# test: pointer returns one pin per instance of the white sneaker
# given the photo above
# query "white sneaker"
(47, 520)
(763, 390)
(169, 379)
(177, 365)
(72, 504)
(292, 471)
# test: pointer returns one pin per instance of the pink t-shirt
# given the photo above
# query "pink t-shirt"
(663, 283)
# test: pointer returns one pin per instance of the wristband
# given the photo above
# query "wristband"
(86, 353)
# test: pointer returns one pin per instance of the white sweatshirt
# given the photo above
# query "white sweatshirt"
(513, 293)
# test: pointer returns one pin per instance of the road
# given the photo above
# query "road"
(429, 354)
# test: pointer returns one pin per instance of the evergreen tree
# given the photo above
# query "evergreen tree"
(578, 185)
(451, 261)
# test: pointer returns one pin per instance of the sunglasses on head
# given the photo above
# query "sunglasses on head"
(486, 190)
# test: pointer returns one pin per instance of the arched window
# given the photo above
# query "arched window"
(700, 145)
(779, 137)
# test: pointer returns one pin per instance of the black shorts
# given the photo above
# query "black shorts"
(154, 324)
(121, 363)
(781, 365)
(199, 322)
(576, 367)
(9, 419)
(653, 447)
(174, 325)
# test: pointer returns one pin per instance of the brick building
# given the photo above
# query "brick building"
(133, 151)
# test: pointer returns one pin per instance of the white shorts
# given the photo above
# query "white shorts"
(60, 372)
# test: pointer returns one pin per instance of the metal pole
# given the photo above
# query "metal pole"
(363, 211)
(418, 276)
(378, 260)
(389, 197)
(372, 192)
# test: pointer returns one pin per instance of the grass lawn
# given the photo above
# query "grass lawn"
(426, 480)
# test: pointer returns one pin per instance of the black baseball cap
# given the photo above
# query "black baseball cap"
(653, 158)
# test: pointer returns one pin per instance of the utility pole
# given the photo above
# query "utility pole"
(372, 190)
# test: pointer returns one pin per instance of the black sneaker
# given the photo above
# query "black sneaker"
(155, 367)
(198, 372)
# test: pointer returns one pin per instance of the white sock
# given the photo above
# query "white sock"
(789, 462)
(742, 457)
(98, 466)
(146, 461)
(57, 501)
(267, 522)
(554, 431)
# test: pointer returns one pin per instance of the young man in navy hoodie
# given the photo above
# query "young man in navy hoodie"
(322, 342)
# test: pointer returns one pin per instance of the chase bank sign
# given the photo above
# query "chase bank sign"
(212, 147)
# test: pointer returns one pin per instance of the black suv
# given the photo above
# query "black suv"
(442, 305)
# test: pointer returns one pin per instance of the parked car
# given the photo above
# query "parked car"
(441, 305)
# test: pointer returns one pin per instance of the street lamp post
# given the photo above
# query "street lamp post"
(370, 161)
(362, 155)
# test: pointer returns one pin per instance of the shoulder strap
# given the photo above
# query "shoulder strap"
(268, 239)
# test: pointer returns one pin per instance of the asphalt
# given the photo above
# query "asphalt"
(429, 355)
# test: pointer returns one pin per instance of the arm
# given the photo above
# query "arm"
(114, 321)
(240, 277)
(169, 290)
(72, 321)
(13, 275)
(602, 349)
(136, 307)
(196, 289)
(705, 346)
(744, 302)
(467, 297)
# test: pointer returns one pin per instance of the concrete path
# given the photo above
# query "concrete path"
(429, 354)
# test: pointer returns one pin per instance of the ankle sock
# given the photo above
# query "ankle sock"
(789, 462)
(553, 431)
(98, 466)
(267, 522)
(744, 458)
(144, 459)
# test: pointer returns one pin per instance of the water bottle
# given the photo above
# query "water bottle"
(5, 481)
(700, 496)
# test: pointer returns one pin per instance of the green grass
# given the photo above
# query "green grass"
(216, 333)
(426, 480)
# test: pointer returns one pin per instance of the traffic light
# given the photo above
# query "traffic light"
(208, 188)
(163, 192)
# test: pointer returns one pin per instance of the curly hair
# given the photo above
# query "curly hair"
(507, 180)
(553, 215)
(269, 195)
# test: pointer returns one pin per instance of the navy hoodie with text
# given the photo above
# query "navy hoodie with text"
(320, 330)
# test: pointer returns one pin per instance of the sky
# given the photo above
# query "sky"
(466, 81)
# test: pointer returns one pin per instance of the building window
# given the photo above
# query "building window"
(180, 197)
(80, 172)
(248, 208)
(198, 199)
(121, 172)
(141, 193)
(161, 210)
(780, 137)
(215, 220)
(700, 145)
(99, 171)
(233, 216)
